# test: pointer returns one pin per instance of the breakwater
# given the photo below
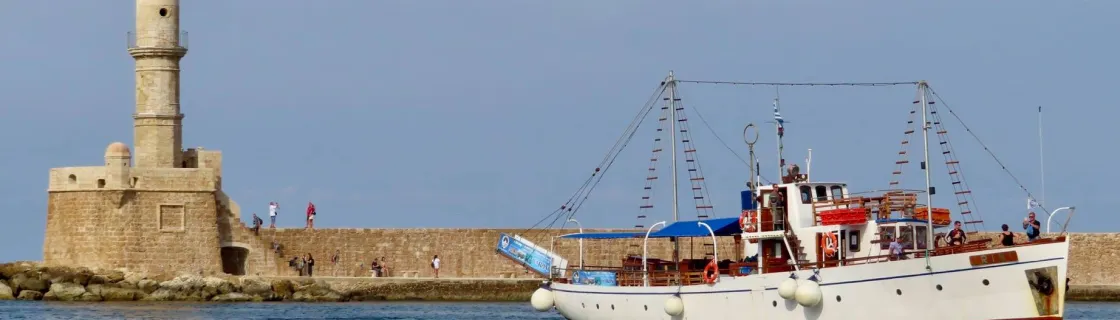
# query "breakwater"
(30, 281)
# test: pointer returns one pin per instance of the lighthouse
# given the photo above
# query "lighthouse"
(157, 45)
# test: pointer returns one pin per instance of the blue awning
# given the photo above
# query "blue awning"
(722, 227)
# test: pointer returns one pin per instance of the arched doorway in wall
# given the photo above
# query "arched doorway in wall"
(234, 259)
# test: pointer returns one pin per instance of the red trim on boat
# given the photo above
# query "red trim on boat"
(1035, 318)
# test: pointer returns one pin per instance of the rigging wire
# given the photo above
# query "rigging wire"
(992, 154)
(597, 175)
(725, 145)
(805, 84)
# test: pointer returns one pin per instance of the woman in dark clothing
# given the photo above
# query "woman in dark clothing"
(310, 265)
(1006, 237)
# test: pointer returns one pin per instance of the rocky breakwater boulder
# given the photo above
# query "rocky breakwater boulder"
(31, 281)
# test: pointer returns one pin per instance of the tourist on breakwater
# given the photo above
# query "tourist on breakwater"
(435, 265)
(310, 265)
(334, 263)
(310, 215)
(272, 206)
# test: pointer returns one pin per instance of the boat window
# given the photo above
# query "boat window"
(853, 241)
(907, 235)
(806, 194)
(822, 193)
(920, 236)
(886, 235)
(837, 192)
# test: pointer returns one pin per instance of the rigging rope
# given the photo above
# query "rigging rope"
(974, 136)
(575, 201)
(725, 145)
(805, 84)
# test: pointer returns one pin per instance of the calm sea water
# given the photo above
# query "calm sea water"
(350, 310)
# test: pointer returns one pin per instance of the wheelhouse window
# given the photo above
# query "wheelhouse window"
(806, 194)
(837, 192)
(921, 236)
(886, 235)
(907, 235)
(822, 193)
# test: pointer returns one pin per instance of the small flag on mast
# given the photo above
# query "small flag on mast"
(778, 118)
(1031, 204)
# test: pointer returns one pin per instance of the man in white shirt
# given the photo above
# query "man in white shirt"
(435, 265)
(896, 249)
(272, 206)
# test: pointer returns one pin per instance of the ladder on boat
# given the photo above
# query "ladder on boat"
(962, 194)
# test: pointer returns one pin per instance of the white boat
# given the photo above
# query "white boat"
(825, 255)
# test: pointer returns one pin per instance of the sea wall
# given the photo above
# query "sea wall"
(471, 252)
(30, 281)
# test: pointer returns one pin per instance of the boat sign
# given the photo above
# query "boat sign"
(993, 258)
(526, 253)
(594, 278)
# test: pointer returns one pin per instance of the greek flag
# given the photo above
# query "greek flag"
(1031, 204)
(778, 115)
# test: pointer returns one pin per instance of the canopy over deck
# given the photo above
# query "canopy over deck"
(722, 227)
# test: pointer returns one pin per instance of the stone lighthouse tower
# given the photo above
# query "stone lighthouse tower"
(157, 47)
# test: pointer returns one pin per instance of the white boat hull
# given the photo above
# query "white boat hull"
(954, 289)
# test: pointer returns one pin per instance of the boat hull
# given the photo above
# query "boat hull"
(954, 289)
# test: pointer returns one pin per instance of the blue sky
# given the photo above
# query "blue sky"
(491, 113)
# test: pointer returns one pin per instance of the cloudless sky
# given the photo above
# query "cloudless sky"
(488, 114)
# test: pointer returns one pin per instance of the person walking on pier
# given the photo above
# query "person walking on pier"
(310, 265)
(334, 263)
(435, 265)
(272, 206)
(310, 215)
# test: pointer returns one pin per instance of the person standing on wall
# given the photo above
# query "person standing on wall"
(310, 215)
(334, 263)
(310, 265)
(272, 206)
(435, 265)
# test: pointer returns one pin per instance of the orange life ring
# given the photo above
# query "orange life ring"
(711, 272)
(828, 246)
(748, 220)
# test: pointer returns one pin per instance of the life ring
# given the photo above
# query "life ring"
(828, 246)
(747, 221)
(711, 272)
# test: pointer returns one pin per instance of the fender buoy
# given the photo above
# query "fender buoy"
(711, 272)
(748, 220)
(828, 246)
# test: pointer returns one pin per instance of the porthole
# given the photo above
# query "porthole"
(986, 282)
(775, 303)
(837, 298)
(584, 305)
(939, 287)
(596, 306)
(646, 307)
(162, 12)
(612, 307)
(898, 291)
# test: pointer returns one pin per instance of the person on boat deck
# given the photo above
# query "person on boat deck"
(896, 249)
(957, 236)
(1032, 226)
(1006, 237)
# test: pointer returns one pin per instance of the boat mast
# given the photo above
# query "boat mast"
(671, 84)
(1041, 164)
(925, 153)
(778, 126)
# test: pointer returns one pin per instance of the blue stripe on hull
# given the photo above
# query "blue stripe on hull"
(823, 284)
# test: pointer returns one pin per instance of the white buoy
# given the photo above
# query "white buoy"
(542, 300)
(808, 293)
(674, 306)
(788, 288)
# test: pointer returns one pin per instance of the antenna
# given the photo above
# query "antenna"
(1041, 164)
(778, 125)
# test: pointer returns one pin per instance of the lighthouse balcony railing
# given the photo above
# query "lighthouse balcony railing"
(156, 39)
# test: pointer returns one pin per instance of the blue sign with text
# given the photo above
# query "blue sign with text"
(594, 278)
(526, 254)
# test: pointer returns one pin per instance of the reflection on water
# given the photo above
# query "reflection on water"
(349, 310)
